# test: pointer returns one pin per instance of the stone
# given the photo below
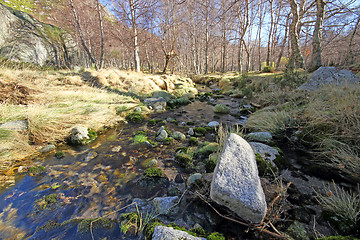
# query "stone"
(79, 135)
(47, 148)
(149, 163)
(266, 152)
(162, 134)
(263, 137)
(158, 104)
(213, 124)
(191, 132)
(23, 169)
(20, 125)
(168, 233)
(298, 231)
(192, 178)
(330, 76)
(236, 184)
(178, 136)
(166, 205)
(25, 39)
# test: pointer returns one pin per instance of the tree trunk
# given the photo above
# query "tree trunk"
(93, 61)
(101, 34)
(350, 57)
(296, 58)
(317, 36)
(135, 36)
(283, 43)
(270, 33)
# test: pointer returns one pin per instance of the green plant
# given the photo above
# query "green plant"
(221, 108)
(215, 236)
(154, 122)
(265, 168)
(206, 149)
(193, 141)
(268, 69)
(135, 117)
(46, 201)
(184, 159)
(291, 79)
(200, 130)
(140, 138)
(59, 154)
(211, 162)
(340, 207)
(36, 170)
(86, 225)
(92, 135)
(154, 172)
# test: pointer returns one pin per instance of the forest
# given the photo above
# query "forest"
(206, 36)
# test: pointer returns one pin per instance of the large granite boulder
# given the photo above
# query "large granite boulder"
(330, 76)
(168, 233)
(25, 39)
(236, 183)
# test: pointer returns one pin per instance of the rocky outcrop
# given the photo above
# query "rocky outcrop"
(167, 233)
(236, 184)
(330, 76)
(25, 39)
(81, 136)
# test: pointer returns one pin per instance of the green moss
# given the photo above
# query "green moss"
(154, 172)
(92, 135)
(264, 167)
(154, 122)
(193, 141)
(184, 159)
(149, 228)
(84, 225)
(46, 202)
(199, 231)
(339, 238)
(215, 236)
(211, 162)
(135, 117)
(200, 130)
(206, 149)
(59, 154)
(280, 161)
(221, 108)
(139, 139)
(167, 140)
(36, 170)
(120, 109)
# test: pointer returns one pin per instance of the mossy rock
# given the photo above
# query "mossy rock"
(221, 108)
(36, 170)
(265, 168)
(211, 162)
(46, 202)
(135, 117)
(154, 122)
(59, 154)
(184, 159)
(140, 138)
(206, 149)
(215, 236)
(154, 172)
(157, 94)
(200, 131)
(193, 141)
(84, 224)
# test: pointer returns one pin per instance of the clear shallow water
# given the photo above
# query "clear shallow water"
(92, 181)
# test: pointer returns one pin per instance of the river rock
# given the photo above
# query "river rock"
(168, 233)
(191, 132)
(213, 124)
(236, 183)
(266, 152)
(162, 134)
(47, 148)
(166, 205)
(20, 125)
(330, 76)
(158, 104)
(79, 135)
(192, 179)
(178, 136)
(263, 137)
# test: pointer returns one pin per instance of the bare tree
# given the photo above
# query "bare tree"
(296, 59)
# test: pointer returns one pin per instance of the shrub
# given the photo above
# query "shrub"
(268, 69)
(291, 79)
(221, 108)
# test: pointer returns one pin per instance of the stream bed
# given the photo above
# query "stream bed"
(83, 194)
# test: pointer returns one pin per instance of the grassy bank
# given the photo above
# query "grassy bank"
(53, 102)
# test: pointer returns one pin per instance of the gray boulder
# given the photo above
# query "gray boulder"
(192, 178)
(263, 137)
(166, 205)
(162, 134)
(47, 148)
(158, 104)
(213, 124)
(80, 136)
(178, 136)
(20, 125)
(236, 184)
(168, 233)
(266, 152)
(25, 39)
(330, 76)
